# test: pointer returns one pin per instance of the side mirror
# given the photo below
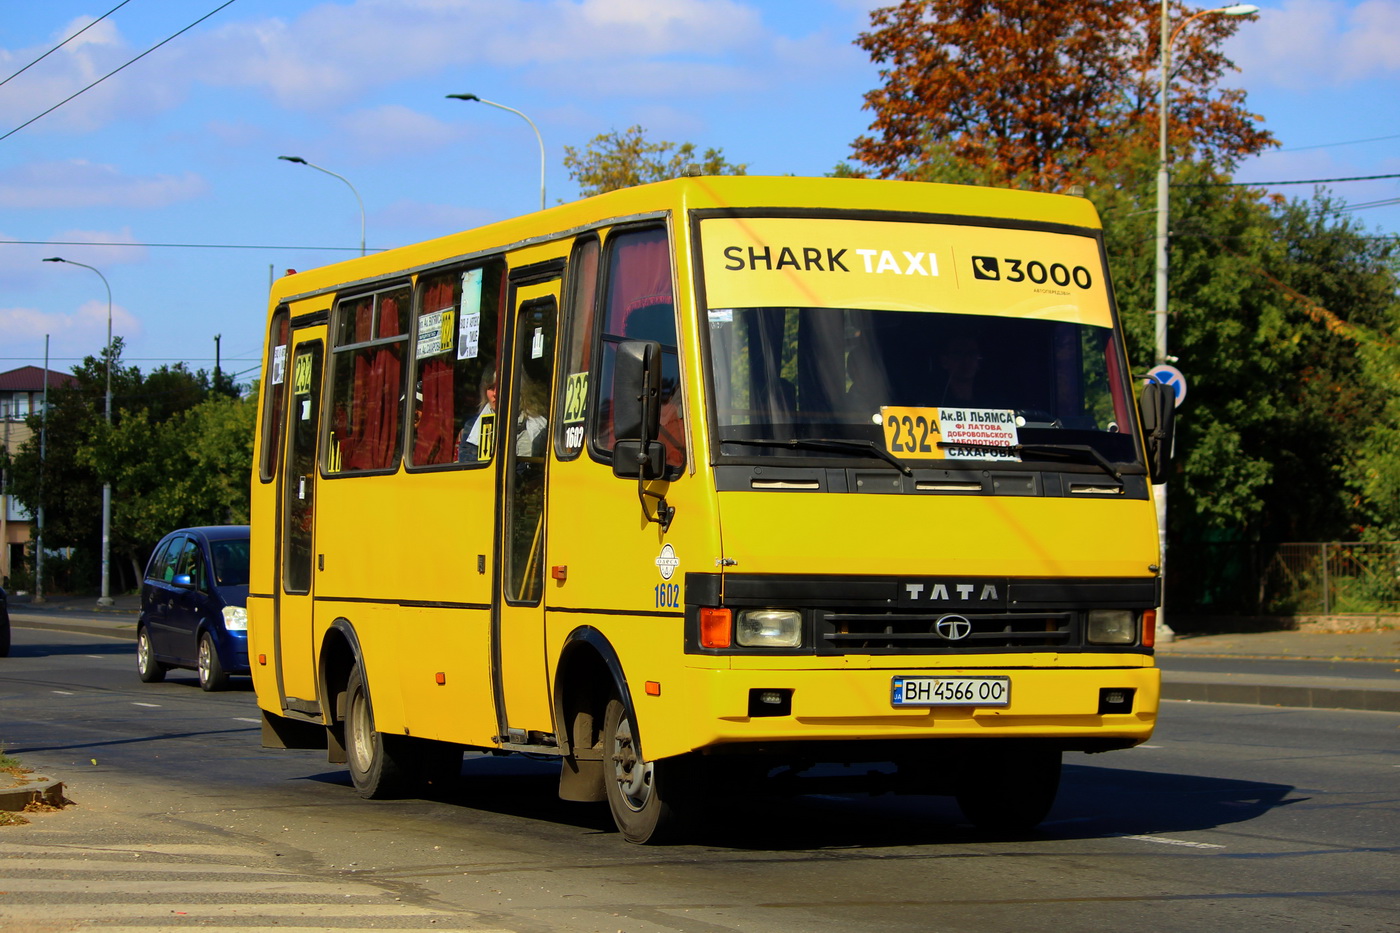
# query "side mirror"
(630, 462)
(1158, 408)
(183, 580)
(636, 390)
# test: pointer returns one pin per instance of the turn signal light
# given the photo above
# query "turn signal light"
(1149, 628)
(716, 628)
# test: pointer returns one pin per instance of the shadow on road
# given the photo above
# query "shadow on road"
(1094, 802)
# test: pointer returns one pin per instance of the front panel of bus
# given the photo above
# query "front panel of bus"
(935, 513)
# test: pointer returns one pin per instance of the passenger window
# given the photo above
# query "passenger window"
(639, 305)
(580, 306)
(454, 378)
(162, 562)
(274, 390)
(371, 337)
(190, 562)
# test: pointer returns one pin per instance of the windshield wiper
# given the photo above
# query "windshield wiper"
(1093, 455)
(838, 445)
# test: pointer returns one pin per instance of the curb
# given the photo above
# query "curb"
(1267, 690)
(37, 790)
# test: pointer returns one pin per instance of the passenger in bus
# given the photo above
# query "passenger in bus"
(469, 440)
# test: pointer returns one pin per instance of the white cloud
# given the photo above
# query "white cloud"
(78, 183)
(81, 326)
(335, 52)
(75, 66)
(394, 130)
(1307, 43)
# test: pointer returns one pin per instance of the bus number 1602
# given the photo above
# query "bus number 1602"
(668, 595)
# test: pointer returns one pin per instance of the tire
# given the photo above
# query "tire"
(148, 668)
(1008, 790)
(211, 671)
(375, 769)
(645, 797)
(4, 634)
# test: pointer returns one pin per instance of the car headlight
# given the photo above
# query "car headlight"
(235, 618)
(1112, 627)
(769, 628)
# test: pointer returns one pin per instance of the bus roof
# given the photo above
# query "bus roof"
(712, 192)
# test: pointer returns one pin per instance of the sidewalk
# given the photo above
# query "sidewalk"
(1259, 668)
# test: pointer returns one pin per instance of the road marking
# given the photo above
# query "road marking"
(246, 719)
(1166, 841)
(151, 705)
(64, 693)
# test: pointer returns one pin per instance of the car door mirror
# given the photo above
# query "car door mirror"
(184, 581)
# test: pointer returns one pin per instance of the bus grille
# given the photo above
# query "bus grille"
(917, 632)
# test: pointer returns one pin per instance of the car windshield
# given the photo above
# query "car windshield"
(230, 562)
(915, 384)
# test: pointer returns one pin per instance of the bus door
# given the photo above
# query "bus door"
(295, 650)
(520, 672)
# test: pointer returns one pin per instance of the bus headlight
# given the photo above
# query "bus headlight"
(235, 619)
(769, 628)
(1112, 627)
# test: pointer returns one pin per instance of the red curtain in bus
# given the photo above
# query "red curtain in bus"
(375, 408)
(433, 440)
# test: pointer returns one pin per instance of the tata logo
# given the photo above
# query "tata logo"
(953, 628)
(966, 592)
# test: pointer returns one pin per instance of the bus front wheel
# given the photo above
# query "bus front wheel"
(375, 772)
(643, 795)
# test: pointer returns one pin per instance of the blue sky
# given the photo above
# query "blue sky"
(181, 147)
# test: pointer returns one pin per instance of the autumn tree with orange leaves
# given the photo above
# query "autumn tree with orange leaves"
(1032, 93)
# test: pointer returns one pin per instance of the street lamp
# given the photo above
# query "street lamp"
(538, 137)
(106, 598)
(1163, 182)
(300, 161)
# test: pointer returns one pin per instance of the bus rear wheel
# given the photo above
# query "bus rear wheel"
(1008, 789)
(375, 772)
(644, 796)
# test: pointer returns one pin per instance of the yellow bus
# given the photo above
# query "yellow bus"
(695, 484)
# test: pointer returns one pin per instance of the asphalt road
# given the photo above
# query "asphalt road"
(1241, 817)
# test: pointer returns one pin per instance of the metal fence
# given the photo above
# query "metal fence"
(1332, 578)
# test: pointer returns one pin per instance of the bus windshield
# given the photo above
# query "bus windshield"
(789, 374)
(912, 341)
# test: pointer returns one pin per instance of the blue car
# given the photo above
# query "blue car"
(193, 606)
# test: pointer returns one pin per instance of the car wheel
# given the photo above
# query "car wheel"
(4, 634)
(211, 672)
(1008, 790)
(375, 769)
(150, 670)
(646, 798)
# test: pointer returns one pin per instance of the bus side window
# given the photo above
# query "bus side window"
(371, 332)
(274, 390)
(640, 305)
(580, 306)
(454, 364)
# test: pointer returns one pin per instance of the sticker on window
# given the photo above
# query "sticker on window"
(435, 332)
(279, 364)
(469, 335)
(937, 433)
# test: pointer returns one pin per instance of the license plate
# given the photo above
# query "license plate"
(951, 691)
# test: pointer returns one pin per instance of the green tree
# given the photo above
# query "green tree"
(1284, 317)
(1025, 92)
(177, 452)
(620, 160)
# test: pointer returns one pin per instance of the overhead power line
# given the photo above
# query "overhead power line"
(354, 249)
(64, 42)
(115, 70)
(1349, 142)
(1270, 184)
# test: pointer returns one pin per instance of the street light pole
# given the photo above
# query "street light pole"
(538, 137)
(106, 598)
(1160, 355)
(300, 161)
